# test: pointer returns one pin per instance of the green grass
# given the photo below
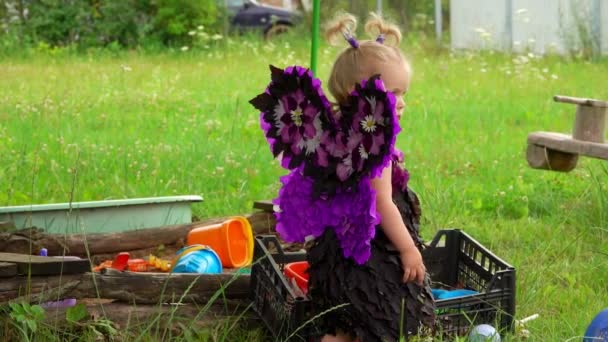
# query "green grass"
(136, 125)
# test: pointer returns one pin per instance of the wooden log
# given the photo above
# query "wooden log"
(8, 269)
(541, 157)
(127, 316)
(31, 240)
(38, 288)
(139, 288)
(565, 143)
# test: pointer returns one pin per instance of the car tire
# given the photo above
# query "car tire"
(276, 30)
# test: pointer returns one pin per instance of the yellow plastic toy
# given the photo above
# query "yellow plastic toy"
(159, 263)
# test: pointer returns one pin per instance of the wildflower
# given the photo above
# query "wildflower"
(368, 124)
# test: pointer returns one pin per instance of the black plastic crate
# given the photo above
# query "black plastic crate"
(274, 300)
(454, 260)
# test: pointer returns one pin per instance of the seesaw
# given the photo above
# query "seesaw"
(559, 152)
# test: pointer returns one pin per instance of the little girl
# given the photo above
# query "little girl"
(390, 294)
(369, 286)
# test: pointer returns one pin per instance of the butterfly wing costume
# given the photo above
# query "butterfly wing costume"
(332, 155)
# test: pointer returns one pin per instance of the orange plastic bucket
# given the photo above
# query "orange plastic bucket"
(299, 272)
(232, 240)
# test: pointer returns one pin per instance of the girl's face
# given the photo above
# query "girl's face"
(396, 78)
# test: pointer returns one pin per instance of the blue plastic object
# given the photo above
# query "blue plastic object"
(446, 294)
(199, 261)
(598, 329)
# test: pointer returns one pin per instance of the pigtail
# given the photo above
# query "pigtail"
(342, 24)
(377, 27)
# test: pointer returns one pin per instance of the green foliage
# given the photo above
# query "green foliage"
(173, 19)
(93, 23)
(28, 316)
(76, 313)
(117, 22)
(57, 22)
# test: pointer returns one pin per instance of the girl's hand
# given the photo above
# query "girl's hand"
(413, 267)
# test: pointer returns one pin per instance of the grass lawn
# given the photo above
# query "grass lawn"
(96, 127)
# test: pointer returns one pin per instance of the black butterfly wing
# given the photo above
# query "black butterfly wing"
(369, 129)
(296, 118)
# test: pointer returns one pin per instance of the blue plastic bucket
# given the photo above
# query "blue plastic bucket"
(198, 260)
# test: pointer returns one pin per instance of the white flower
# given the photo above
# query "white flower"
(184, 48)
(363, 152)
(368, 124)
(312, 144)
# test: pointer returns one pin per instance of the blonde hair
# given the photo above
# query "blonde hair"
(349, 66)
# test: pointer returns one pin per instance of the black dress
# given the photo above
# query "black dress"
(374, 292)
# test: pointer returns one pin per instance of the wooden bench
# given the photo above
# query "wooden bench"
(559, 152)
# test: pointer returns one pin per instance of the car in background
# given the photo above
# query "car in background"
(251, 15)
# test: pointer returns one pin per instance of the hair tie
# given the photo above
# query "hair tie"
(380, 38)
(350, 39)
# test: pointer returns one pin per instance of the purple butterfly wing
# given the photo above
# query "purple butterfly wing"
(331, 160)
(370, 127)
(295, 117)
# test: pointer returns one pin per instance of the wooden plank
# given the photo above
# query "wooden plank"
(580, 101)
(138, 288)
(565, 143)
(38, 265)
(8, 269)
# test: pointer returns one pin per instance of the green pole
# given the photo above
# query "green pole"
(316, 9)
